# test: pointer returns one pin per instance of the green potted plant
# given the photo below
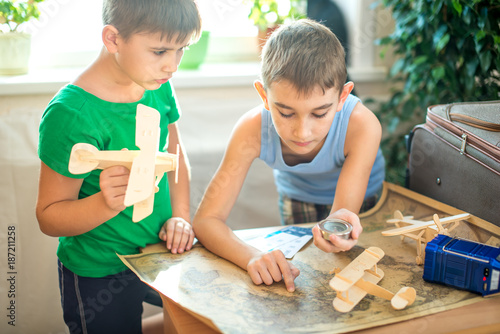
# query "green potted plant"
(268, 15)
(447, 51)
(15, 45)
(195, 55)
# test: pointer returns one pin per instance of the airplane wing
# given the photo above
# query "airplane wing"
(356, 269)
(142, 174)
(357, 292)
(419, 225)
(416, 226)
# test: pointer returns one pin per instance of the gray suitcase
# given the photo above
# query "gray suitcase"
(454, 157)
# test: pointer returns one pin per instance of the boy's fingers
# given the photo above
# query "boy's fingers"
(163, 234)
(190, 241)
(288, 271)
(177, 231)
(323, 244)
(266, 276)
(179, 236)
(289, 281)
(185, 233)
(342, 245)
(255, 276)
(295, 271)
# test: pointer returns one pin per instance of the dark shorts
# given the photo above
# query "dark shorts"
(297, 212)
(111, 304)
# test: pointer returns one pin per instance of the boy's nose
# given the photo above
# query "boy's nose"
(302, 130)
(171, 64)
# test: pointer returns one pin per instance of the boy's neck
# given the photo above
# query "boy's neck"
(105, 80)
(292, 158)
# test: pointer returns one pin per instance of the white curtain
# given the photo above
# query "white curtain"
(29, 282)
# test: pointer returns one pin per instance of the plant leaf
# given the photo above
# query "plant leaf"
(485, 60)
(442, 43)
(438, 73)
(458, 6)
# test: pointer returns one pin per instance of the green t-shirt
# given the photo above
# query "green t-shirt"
(75, 116)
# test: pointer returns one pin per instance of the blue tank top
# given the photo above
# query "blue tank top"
(315, 181)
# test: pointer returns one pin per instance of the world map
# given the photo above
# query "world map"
(218, 290)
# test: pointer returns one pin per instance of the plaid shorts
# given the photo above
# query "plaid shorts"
(298, 212)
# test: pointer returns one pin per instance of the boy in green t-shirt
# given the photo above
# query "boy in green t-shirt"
(143, 45)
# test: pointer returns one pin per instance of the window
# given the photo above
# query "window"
(68, 32)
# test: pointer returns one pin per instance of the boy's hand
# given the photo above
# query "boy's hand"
(178, 234)
(272, 267)
(113, 182)
(337, 244)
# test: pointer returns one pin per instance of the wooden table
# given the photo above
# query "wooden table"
(479, 318)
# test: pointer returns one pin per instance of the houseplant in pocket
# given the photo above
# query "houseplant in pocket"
(267, 15)
(15, 45)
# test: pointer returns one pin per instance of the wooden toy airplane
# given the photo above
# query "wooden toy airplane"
(422, 231)
(146, 165)
(360, 277)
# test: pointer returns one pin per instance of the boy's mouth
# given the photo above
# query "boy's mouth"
(162, 81)
(302, 144)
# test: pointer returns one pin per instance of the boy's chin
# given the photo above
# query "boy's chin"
(153, 85)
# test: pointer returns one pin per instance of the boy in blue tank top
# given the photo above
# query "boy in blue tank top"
(321, 142)
(143, 44)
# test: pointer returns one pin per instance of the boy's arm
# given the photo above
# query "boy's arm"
(179, 192)
(177, 231)
(61, 213)
(362, 142)
(220, 196)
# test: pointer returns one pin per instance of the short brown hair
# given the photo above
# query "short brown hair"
(305, 53)
(170, 17)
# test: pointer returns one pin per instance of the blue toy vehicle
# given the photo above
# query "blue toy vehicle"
(462, 264)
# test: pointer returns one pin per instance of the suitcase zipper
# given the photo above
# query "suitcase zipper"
(475, 153)
(470, 139)
(464, 142)
(475, 122)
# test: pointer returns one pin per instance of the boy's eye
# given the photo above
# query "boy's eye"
(285, 115)
(159, 52)
(321, 115)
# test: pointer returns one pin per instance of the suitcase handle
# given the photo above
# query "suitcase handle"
(475, 122)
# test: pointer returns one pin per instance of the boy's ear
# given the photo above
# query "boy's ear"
(110, 38)
(259, 86)
(346, 90)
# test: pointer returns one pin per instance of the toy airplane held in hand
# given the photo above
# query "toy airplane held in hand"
(422, 231)
(360, 277)
(146, 165)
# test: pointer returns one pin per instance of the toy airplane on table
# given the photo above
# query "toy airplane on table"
(425, 231)
(360, 277)
(146, 166)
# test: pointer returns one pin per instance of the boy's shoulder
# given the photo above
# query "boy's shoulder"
(69, 96)
(249, 126)
(251, 120)
(363, 123)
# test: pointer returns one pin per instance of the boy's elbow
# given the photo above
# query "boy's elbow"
(44, 226)
(197, 224)
(202, 225)
(46, 229)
